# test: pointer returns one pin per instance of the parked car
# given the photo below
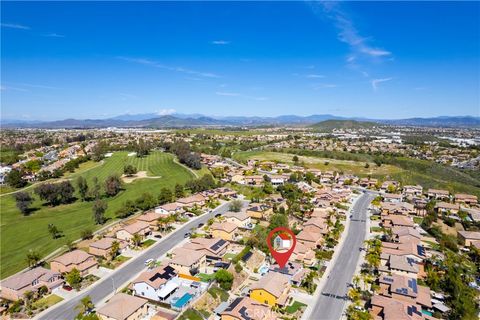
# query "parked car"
(148, 261)
(67, 287)
(187, 235)
(158, 236)
(201, 225)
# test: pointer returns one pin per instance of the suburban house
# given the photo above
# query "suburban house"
(14, 287)
(241, 219)
(76, 259)
(392, 309)
(188, 262)
(413, 191)
(245, 308)
(103, 247)
(154, 284)
(259, 211)
(316, 225)
(466, 198)
(278, 180)
(402, 208)
(192, 201)
(469, 238)
(304, 254)
(123, 307)
(169, 209)
(272, 289)
(403, 265)
(438, 194)
(214, 248)
(255, 180)
(394, 220)
(151, 217)
(406, 289)
(446, 207)
(310, 238)
(224, 230)
(392, 197)
(127, 232)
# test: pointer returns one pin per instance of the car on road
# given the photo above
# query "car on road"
(148, 261)
(201, 224)
(187, 235)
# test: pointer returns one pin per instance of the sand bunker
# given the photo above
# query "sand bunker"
(138, 175)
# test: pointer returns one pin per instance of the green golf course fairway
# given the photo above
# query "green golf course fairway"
(21, 233)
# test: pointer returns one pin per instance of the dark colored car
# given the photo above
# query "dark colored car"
(67, 287)
(187, 235)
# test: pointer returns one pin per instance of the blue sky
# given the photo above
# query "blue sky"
(367, 59)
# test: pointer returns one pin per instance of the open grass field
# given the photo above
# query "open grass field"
(406, 171)
(20, 233)
(346, 166)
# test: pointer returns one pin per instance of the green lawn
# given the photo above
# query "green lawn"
(295, 307)
(229, 256)
(347, 166)
(190, 314)
(218, 292)
(20, 233)
(47, 301)
(206, 277)
(119, 260)
(147, 243)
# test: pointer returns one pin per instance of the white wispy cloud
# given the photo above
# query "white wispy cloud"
(9, 88)
(15, 26)
(156, 64)
(313, 76)
(53, 35)
(347, 32)
(220, 42)
(39, 86)
(166, 112)
(320, 86)
(376, 82)
(229, 94)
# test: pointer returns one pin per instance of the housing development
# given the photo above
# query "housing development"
(149, 224)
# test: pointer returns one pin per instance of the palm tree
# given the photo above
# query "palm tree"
(356, 280)
(114, 249)
(136, 239)
(33, 257)
(85, 305)
(28, 295)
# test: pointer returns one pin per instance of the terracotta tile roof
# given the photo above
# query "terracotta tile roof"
(136, 227)
(246, 309)
(224, 226)
(73, 257)
(106, 243)
(121, 306)
(273, 282)
(186, 257)
(23, 279)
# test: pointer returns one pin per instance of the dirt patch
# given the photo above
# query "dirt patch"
(138, 175)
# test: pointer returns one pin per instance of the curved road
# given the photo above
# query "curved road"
(330, 303)
(106, 286)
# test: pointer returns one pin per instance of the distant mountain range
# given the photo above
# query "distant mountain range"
(152, 120)
(329, 125)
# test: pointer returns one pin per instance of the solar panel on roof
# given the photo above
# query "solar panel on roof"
(234, 304)
(218, 244)
(412, 283)
(247, 256)
(388, 279)
(243, 313)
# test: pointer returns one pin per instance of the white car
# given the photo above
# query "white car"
(148, 261)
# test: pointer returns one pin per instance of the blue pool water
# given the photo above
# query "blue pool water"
(263, 269)
(180, 303)
(428, 313)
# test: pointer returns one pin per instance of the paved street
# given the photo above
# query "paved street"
(106, 286)
(330, 303)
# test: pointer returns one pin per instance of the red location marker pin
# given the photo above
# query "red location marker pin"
(282, 256)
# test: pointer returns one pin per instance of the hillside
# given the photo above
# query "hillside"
(329, 125)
